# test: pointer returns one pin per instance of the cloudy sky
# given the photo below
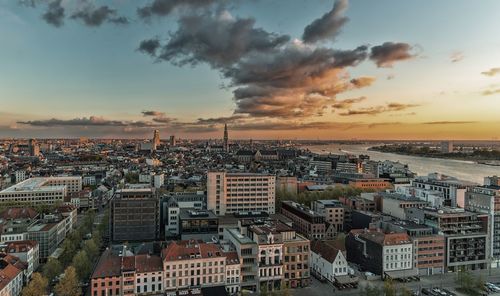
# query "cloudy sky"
(305, 69)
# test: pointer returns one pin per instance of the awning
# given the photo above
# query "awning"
(346, 279)
(400, 274)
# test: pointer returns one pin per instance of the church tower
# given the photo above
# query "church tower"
(226, 139)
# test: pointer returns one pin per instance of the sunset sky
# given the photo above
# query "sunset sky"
(294, 69)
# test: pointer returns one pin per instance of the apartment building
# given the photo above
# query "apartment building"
(134, 215)
(171, 206)
(305, 221)
(27, 251)
(394, 204)
(453, 189)
(247, 251)
(11, 274)
(240, 192)
(120, 272)
(486, 199)
(193, 263)
(465, 235)
(385, 254)
(233, 272)
(332, 210)
(429, 248)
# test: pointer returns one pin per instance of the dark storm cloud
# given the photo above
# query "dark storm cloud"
(86, 121)
(95, 17)
(54, 15)
(220, 120)
(387, 54)
(328, 26)
(218, 40)
(152, 113)
(149, 46)
(165, 7)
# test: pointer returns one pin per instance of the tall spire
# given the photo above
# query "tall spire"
(226, 138)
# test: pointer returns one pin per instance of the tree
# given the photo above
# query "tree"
(37, 286)
(91, 248)
(68, 285)
(405, 291)
(369, 290)
(82, 265)
(389, 289)
(51, 269)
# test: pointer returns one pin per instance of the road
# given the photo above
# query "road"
(442, 281)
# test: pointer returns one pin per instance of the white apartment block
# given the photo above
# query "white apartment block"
(229, 193)
(397, 257)
(41, 190)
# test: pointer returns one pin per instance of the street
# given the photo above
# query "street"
(441, 281)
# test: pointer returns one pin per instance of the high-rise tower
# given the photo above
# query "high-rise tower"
(156, 140)
(226, 138)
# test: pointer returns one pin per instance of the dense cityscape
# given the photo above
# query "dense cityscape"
(222, 217)
(249, 148)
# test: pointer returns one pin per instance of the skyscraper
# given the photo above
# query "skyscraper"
(156, 140)
(172, 141)
(226, 138)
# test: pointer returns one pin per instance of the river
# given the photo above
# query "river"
(464, 170)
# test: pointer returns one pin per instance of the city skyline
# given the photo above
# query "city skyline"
(310, 70)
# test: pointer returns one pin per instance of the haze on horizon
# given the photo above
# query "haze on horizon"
(315, 69)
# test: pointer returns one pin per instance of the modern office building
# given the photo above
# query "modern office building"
(41, 190)
(134, 215)
(240, 192)
(198, 224)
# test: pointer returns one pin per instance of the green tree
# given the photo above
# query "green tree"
(52, 268)
(37, 285)
(82, 265)
(68, 285)
(91, 248)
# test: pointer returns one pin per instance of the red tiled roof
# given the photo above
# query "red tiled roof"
(184, 250)
(232, 258)
(10, 267)
(21, 246)
(327, 251)
(148, 263)
(18, 213)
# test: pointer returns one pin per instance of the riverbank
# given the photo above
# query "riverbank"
(492, 159)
